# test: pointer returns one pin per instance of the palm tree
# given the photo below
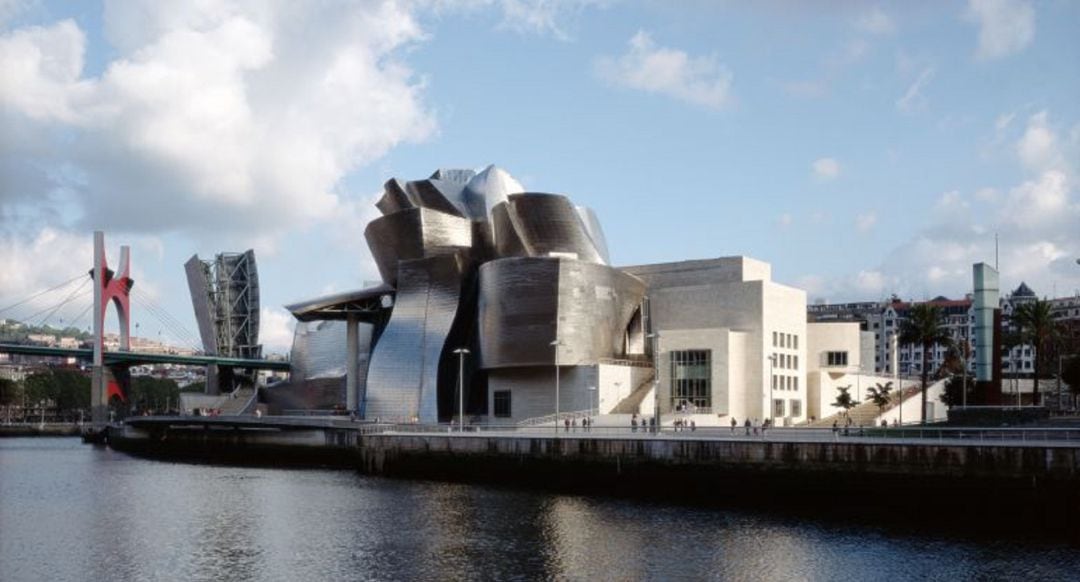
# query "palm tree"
(1037, 327)
(925, 327)
(879, 395)
(844, 399)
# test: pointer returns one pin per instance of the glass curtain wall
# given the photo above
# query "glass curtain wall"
(691, 381)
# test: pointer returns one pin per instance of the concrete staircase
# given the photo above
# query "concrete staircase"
(866, 414)
(238, 402)
(632, 403)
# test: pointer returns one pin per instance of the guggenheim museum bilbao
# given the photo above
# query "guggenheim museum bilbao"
(510, 297)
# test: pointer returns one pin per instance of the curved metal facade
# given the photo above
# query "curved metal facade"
(474, 261)
(415, 233)
(526, 303)
(545, 225)
(403, 378)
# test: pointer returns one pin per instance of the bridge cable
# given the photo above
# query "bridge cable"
(40, 293)
(176, 324)
(28, 319)
(177, 332)
(66, 301)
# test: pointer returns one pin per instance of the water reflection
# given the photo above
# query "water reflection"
(72, 512)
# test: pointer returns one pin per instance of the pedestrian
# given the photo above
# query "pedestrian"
(652, 424)
(835, 427)
(566, 425)
(573, 423)
(755, 426)
(633, 423)
(734, 423)
(746, 425)
(693, 426)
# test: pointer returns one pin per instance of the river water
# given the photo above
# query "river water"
(70, 511)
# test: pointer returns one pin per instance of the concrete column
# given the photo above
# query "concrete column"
(98, 406)
(352, 363)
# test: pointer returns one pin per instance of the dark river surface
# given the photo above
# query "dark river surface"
(70, 511)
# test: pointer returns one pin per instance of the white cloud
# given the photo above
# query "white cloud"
(865, 222)
(826, 168)
(875, 21)
(1038, 149)
(1039, 203)
(870, 282)
(647, 67)
(276, 329)
(1005, 26)
(952, 201)
(913, 99)
(212, 116)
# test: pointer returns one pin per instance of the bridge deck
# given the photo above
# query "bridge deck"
(136, 358)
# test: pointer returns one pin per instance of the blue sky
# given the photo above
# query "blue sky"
(863, 149)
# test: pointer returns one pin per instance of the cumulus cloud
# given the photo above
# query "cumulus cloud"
(212, 114)
(825, 168)
(276, 329)
(1035, 220)
(1005, 26)
(701, 80)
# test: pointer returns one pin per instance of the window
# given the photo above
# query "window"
(795, 338)
(778, 407)
(795, 386)
(774, 339)
(836, 358)
(796, 407)
(691, 378)
(795, 362)
(502, 403)
(774, 382)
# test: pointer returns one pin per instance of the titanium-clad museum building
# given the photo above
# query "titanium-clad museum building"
(523, 282)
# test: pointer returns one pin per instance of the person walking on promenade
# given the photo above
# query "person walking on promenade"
(693, 426)
(835, 428)
(734, 423)
(566, 424)
(746, 425)
(573, 423)
(633, 423)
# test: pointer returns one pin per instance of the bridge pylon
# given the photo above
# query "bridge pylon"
(114, 287)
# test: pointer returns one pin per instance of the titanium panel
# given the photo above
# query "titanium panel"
(526, 302)
(394, 198)
(439, 195)
(548, 225)
(403, 379)
(488, 188)
(415, 233)
(317, 377)
(595, 232)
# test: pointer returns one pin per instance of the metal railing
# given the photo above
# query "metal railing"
(569, 414)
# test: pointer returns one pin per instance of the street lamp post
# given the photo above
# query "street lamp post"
(595, 411)
(461, 387)
(555, 345)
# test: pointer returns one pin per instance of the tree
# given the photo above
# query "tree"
(1038, 328)
(844, 399)
(1070, 374)
(925, 327)
(879, 395)
(10, 392)
(953, 394)
(148, 393)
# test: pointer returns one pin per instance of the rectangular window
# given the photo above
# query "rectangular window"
(795, 338)
(795, 363)
(796, 386)
(774, 339)
(691, 378)
(778, 407)
(796, 407)
(502, 403)
(774, 382)
(836, 358)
